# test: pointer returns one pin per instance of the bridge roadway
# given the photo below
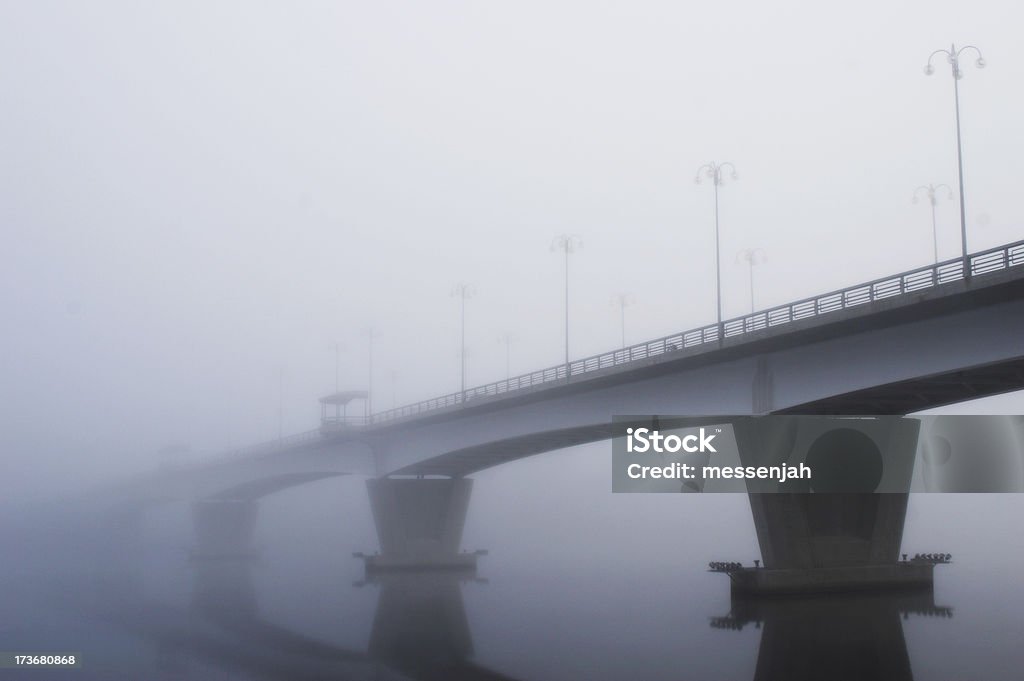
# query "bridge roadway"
(916, 340)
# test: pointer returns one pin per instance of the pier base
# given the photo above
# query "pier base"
(419, 524)
(821, 580)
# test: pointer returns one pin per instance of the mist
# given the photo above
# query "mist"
(212, 214)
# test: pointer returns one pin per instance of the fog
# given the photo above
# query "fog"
(204, 206)
(198, 198)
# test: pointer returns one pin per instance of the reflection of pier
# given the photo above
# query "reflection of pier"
(420, 630)
(838, 637)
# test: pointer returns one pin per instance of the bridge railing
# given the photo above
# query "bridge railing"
(688, 342)
(697, 340)
(922, 278)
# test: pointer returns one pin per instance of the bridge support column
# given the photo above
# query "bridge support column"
(224, 528)
(828, 530)
(419, 523)
(841, 529)
(830, 542)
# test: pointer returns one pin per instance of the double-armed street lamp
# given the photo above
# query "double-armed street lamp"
(931, 191)
(463, 291)
(714, 172)
(567, 244)
(953, 58)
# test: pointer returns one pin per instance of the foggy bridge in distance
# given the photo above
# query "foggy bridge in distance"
(918, 339)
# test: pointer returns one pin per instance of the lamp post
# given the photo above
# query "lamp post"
(930, 191)
(622, 301)
(751, 256)
(567, 243)
(370, 334)
(953, 57)
(463, 291)
(336, 346)
(713, 171)
(506, 339)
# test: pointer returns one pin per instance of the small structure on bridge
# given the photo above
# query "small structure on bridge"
(340, 418)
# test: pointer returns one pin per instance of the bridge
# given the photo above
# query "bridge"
(932, 336)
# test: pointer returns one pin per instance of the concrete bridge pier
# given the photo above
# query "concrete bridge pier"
(814, 543)
(841, 529)
(224, 528)
(828, 530)
(419, 523)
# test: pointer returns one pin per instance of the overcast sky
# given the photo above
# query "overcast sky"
(198, 197)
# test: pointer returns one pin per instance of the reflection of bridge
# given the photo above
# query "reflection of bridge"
(832, 638)
(915, 340)
(420, 630)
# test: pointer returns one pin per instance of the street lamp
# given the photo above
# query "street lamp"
(337, 346)
(713, 171)
(751, 256)
(931, 190)
(370, 334)
(506, 339)
(622, 301)
(953, 57)
(462, 291)
(567, 243)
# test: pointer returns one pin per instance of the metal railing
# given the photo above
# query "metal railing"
(698, 340)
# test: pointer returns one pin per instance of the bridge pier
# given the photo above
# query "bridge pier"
(828, 530)
(842, 530)
(419, 523)
(224, 528)
(815, 543)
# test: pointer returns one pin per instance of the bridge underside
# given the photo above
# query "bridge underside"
(898, 398)
(926, 392)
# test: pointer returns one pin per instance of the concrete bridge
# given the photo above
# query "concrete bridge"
(919, 339)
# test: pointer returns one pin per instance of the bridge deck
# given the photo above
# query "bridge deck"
(932, 290)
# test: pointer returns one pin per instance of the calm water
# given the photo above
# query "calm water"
(579, 584)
